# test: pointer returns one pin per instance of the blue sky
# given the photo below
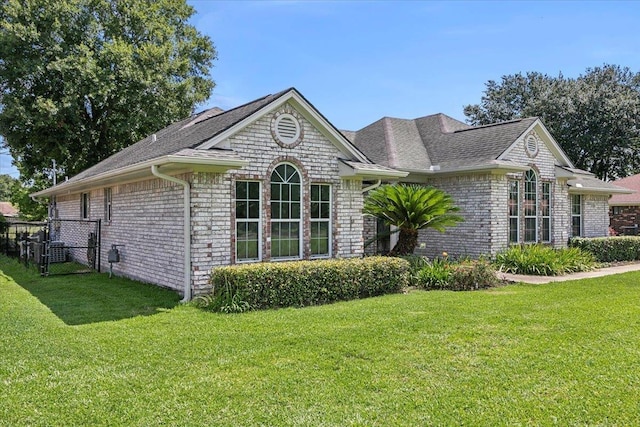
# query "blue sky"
(359, 61)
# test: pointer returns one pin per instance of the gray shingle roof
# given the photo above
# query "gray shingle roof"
(436, 140)
(185, 134)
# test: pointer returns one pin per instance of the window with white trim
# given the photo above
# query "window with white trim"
(108, 197)
(514, 211)
(530, 206)
(85, 203)
(576, 215)
(286, 213)
(545, 212)
(248, 228)
(320, 220)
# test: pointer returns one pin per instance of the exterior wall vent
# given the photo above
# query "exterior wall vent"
(531, 145)
(287, 129)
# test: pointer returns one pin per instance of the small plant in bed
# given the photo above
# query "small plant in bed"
(540, 260)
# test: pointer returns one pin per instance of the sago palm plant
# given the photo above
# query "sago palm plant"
(411, 207)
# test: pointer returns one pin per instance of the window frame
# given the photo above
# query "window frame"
(578, 215)
(108, 205)
(531, 180)
(290, 221)
(320, 220)
(248, 220)
(514, 184)
(85, 205)
(546, 196)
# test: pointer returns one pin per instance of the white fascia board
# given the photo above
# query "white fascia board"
(346, 171)
(492, 168)
(303, 108)
(549, 141)
(68, 187)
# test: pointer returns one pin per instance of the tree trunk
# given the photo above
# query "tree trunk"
(407, 242)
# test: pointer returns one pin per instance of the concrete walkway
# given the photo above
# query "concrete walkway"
(575, 276)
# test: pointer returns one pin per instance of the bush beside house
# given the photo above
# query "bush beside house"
(303, 283)
(610, 249)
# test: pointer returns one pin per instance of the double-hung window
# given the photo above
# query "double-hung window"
(84, 205)
(530, 206)
(545, 211)
(320, 220)
(108, 197)
(576, 215)
(514, 211)
(248, 229)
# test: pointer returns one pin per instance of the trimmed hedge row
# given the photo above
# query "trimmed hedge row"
(305, 283)
(609, 249)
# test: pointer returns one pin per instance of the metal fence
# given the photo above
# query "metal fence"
(58, 246)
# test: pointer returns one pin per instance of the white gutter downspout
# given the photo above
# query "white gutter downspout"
(187, 229)
(371, 187)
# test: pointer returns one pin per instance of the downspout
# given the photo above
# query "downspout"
(187, 229)
(371, 187)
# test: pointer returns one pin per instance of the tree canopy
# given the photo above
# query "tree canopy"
(595, 117)
(6, 183)
(82, 79)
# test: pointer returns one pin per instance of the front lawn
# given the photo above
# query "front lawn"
(564, 353)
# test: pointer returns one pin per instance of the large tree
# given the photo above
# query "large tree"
(595, 117)
(81, 79)
(410, 208)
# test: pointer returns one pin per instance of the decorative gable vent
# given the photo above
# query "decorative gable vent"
(531, 145)
(286, 130)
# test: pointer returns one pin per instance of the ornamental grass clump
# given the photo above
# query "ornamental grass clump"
(540, 260)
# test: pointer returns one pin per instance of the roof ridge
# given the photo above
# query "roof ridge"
(506, 122)
(276, 95)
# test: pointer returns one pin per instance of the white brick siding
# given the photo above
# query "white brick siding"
(147, 216)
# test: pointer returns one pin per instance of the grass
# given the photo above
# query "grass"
(564, 353)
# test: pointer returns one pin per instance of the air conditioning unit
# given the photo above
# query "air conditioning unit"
(57, 252)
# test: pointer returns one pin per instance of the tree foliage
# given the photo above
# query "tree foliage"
(595, 117)
(410, 208)
(81, 79)
(30, 210)
(6, 183)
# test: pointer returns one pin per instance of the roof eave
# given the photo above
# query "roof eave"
(138, 171)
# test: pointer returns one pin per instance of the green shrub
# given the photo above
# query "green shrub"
(457, 276)
(416, 264)
(543, 260)
(472, 274)
(610, 249)
(305, 283)
(435, 275)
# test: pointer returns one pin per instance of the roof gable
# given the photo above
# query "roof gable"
(303, 107)
(536, 125)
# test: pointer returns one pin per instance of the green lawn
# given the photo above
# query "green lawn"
(84, 350)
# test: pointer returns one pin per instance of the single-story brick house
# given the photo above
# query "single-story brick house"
(274, 180)
(624, 209)
(269, 180)
(512, 181)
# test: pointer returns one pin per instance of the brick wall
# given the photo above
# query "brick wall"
(147, 216)
(595, 217)
(625, 219)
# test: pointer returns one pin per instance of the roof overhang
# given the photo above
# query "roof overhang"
(171, 165)
(583, 182)
(350, 169)
(495, 167)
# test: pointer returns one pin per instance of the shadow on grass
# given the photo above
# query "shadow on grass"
(79, 299)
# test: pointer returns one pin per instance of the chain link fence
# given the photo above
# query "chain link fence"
(59, 246)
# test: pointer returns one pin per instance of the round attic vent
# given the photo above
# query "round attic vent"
(531, 145)
(286, 130)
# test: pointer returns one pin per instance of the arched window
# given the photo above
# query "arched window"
(286, 212)
(530, 206)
